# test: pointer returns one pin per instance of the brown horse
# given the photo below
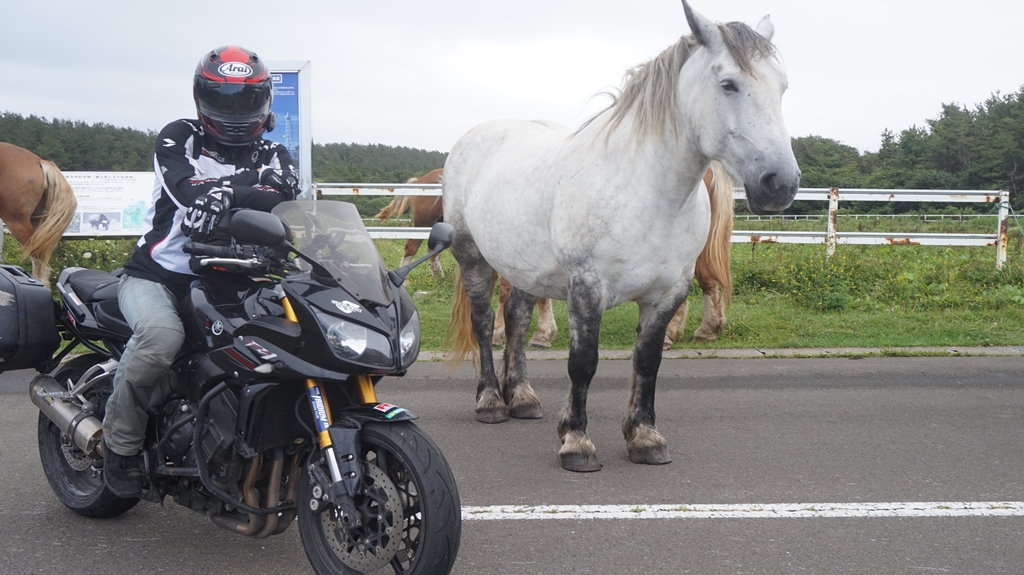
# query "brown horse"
(36, 203)
(426, 211)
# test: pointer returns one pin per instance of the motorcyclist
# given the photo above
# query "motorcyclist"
(203, 167)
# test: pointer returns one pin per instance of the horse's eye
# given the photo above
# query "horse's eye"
(729, 86)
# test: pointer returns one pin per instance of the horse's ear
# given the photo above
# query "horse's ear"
(704, 31)
(766, 28)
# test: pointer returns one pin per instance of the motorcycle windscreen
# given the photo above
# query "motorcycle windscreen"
(332, 232)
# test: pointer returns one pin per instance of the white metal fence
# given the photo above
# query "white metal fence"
(830, 236)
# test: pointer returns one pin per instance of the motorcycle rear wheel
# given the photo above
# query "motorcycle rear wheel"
(401, 460)
(72, 477)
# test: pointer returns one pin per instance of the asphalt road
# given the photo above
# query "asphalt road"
(742, 432)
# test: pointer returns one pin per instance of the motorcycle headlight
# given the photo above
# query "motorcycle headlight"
(353, 342)
(409, 342)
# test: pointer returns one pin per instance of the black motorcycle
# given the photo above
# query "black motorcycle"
(269, 412)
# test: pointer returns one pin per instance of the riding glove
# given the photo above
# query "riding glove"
(201, 220)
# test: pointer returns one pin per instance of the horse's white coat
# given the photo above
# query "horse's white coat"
(614, 212)
(568, 209)
(544, 204)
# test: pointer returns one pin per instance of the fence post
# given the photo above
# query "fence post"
(1003, 229)
(833, 215)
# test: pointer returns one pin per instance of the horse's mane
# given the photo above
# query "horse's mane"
(649, 90)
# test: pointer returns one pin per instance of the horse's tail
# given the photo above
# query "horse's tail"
(461, 341)
(713, 262)
(54, 214)
(395, 208)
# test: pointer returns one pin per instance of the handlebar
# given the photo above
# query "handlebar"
(207, 250)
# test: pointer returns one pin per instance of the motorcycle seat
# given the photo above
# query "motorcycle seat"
(109, 316)
(93, 286)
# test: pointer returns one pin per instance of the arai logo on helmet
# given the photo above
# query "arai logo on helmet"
(235, 70)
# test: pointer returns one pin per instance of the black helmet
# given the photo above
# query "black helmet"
(233, 92)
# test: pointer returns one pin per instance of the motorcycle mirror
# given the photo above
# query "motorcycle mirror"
(258, 228)
(442, 236)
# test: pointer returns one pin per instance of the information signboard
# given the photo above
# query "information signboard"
(110, 203)
(291, 104)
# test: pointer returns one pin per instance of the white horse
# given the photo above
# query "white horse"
(613, 212)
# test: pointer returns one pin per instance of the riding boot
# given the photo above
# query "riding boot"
(122, 474)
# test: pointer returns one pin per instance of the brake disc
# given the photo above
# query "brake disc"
(371, 546)
(76, 458)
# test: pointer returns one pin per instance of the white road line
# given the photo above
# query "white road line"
(748, 511)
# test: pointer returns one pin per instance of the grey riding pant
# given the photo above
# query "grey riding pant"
(152, 311)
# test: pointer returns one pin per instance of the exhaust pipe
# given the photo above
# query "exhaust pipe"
(85, 429)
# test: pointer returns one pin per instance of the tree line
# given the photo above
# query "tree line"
(979, 147)
(78, 146)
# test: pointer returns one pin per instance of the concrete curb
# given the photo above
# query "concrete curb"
(534, 354)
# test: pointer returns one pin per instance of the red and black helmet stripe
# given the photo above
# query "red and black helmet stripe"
(232, 64)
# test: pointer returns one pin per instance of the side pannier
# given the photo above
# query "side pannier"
(28, 328)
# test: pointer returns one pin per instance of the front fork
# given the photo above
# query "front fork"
(338, 443)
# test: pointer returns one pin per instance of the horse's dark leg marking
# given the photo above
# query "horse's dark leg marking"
(586, 306)
(643, 440)
(477, 280)
(522, 402)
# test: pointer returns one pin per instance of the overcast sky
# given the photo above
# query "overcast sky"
(420, 74)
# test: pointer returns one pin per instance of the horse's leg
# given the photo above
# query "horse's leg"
(714, 316)
(676, 326)
(425, 214)
(411, 247)
(643, 440)
(504, 290)
(435, 267)
(522, 402)
(585, 310)
(478, 283)
(546, 327)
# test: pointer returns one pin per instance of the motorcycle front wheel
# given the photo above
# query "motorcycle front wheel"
(408, 502)
(72, 475)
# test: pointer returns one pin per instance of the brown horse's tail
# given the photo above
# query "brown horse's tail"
(713, 262)
(54, 214)
(395, 208)
(461, 341)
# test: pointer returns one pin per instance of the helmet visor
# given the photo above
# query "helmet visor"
(233, 102)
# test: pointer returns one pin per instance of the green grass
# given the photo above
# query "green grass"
(789, 296)
(785, 296)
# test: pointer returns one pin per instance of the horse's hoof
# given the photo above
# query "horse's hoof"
(526, 411)
(657, 455)
(522, 401)
(577, 452)
(492, 415)
(540, 344)
(579, 463)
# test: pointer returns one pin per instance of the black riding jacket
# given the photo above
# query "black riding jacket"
(188, 164)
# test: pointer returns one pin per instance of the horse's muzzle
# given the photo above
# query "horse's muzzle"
(772, 193)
